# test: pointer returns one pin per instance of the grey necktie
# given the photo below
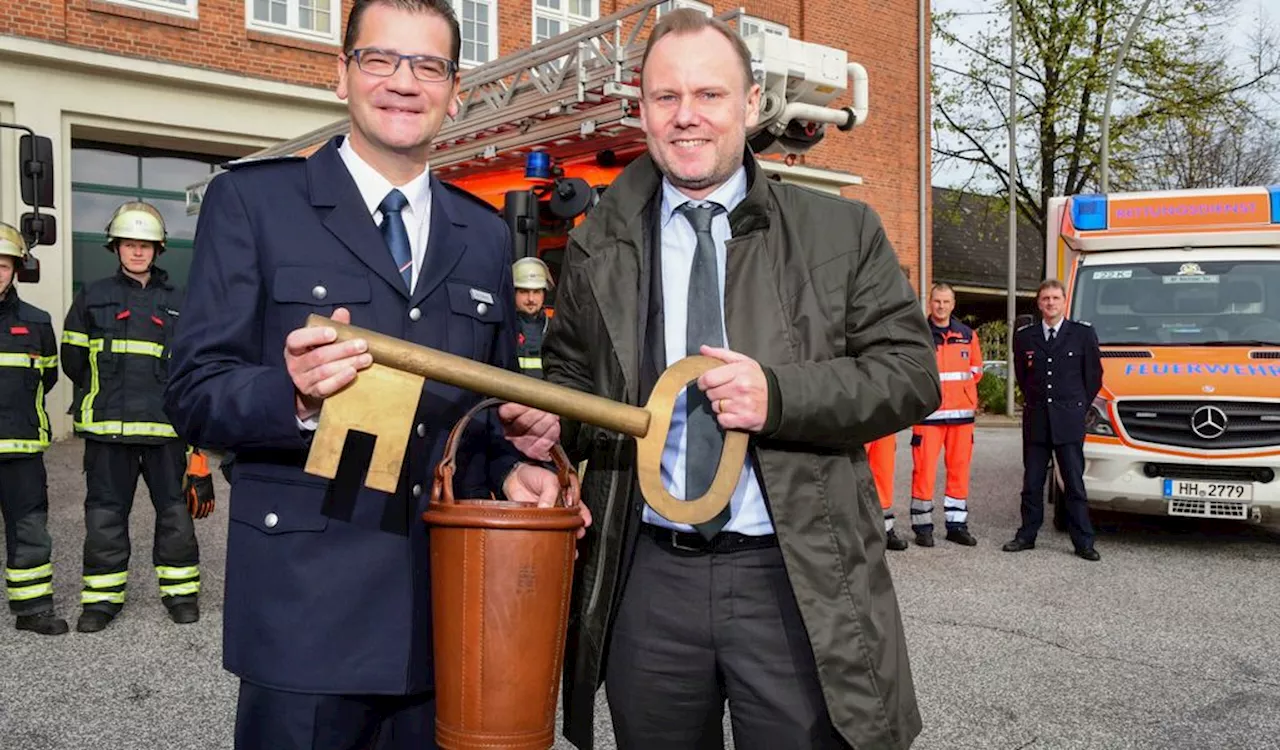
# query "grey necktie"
(702, 432)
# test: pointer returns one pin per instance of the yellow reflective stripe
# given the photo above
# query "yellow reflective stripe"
(23, 446)
(93, 597)
(23, 593)
(45, 363)
(86, 406)
(106, 580)
(130, 346)
(75, 338)
(164, 571)
(180, 589)
(530, 363)
(41, 414)
(18, 575)
(148, 429)
(11, 359)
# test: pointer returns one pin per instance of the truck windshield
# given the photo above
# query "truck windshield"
(1214, 303)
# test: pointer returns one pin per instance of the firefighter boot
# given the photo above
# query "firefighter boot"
(184, 613)
(961, 536)
(93, 620)
(44, 623)
(924, 538)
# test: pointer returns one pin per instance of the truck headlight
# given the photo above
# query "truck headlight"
(1096, 421)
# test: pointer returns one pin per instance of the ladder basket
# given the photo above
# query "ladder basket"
(501, 575)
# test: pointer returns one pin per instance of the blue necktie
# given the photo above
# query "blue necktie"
(396, 236)
(704, 438)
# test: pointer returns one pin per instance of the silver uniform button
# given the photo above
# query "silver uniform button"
(1051, 360)
(422, 430)
(415, 314)
(417, 490)
(482, 308)
(271, 520)
(319, 292)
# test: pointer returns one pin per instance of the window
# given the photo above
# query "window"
(316, 20)
(183, 8)
(478, 22)
(670, 5)
(105, 175)
(748, 25)
(554, 17)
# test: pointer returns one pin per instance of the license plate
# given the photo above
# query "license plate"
(1195, 490)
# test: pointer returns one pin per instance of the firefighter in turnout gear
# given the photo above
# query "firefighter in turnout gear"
(532, 280)
(880, 455)
(28, 371)
(948, 429)
(115, 350)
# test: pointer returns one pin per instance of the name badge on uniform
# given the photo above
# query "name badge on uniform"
(480, 295)
(964, 354)
(18, 331)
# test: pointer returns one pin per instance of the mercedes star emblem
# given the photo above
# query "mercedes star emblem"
(1209, 422)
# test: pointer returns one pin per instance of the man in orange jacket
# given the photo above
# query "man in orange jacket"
(880, 457)
(950, 427)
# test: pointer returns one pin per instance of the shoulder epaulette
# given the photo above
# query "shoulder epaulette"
(255, 161)
(1083, 323)
(471, 197)
(33, 314)
(1023, 328)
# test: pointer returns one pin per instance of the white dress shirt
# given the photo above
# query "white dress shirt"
(373, 189)
(679, 242)
(1044, 326)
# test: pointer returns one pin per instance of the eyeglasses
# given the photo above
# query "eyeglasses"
(384, 64)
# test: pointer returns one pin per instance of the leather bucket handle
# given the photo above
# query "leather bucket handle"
(442, 489)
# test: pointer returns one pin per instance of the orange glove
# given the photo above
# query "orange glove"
(197, 485)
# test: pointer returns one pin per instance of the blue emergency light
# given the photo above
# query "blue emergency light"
(1274, 190)
(1089, 212)
(537, 166)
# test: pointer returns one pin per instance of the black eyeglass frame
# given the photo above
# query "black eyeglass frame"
(450, 66)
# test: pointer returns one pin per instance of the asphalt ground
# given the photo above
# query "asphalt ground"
(1171, 641)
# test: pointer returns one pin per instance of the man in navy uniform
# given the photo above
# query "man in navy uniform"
(328, 610)
(1059, 368)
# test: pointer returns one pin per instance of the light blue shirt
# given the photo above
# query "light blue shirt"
(749, 515)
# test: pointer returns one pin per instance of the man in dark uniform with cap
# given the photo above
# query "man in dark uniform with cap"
(1059, 368)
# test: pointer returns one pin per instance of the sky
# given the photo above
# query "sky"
(977, 14)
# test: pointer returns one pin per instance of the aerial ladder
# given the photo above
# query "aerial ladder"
(545, 129)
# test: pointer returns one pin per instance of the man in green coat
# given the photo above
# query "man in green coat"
(783, 607)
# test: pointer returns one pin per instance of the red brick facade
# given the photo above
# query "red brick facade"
(880, 35)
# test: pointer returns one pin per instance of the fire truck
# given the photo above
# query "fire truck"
(1183, 289)
(541, 133)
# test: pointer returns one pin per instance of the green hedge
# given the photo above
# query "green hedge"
(991, 394)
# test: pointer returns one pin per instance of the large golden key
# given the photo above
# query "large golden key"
(384, 397)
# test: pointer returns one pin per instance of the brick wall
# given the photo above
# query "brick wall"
(880, 35)
(217, 40)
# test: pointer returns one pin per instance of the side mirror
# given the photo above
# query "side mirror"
(35, 157)
(39, 229)
(30, 271)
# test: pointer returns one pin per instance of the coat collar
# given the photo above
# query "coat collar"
(331, 186)
(615, 241)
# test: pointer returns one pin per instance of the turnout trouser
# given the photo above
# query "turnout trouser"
(111, 473)
(24, 503)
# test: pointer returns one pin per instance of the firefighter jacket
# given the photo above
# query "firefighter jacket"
(115, 350)
(532, 329)
(959, 369)
(28, 371)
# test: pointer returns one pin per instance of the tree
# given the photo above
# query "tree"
(1178, 73)
(1233, 149)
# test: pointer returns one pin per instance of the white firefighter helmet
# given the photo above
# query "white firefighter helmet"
(136, 220)
(13, 244)
(531, 273)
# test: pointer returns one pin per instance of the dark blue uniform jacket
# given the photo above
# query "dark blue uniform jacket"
(327, 586)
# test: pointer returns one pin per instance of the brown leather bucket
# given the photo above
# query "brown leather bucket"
(501, 574)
